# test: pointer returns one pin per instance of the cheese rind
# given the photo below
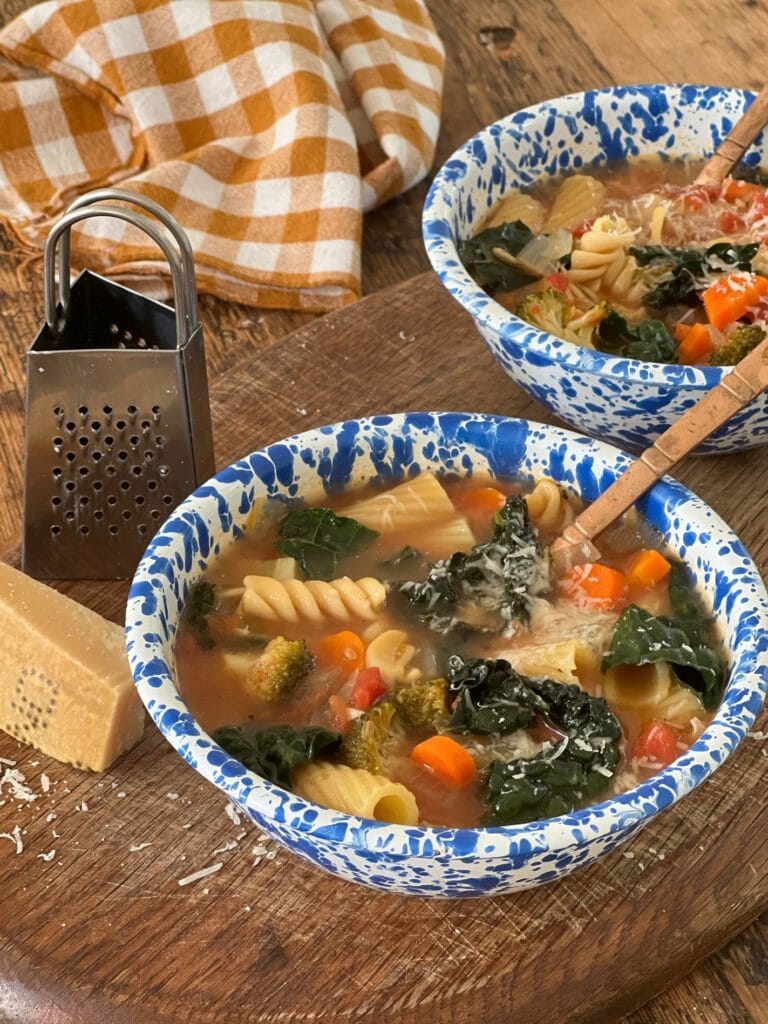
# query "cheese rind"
(65, 683)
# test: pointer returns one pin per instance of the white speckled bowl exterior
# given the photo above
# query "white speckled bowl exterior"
(622, 400)
(438, 861)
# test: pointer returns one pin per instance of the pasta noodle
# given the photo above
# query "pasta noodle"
(578, 198)
(642, 688)
(276, 568)
(270, 601)
(392, 655)
(565, 662)
(415, 502)
(600, 260)
(548, 507)
(518, 206)
(356, 791)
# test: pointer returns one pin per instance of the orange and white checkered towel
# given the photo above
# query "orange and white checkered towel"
(266, 127)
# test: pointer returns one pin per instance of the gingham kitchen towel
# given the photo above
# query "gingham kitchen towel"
(266, 127)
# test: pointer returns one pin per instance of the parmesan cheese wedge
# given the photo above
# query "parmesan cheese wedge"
(65, 684)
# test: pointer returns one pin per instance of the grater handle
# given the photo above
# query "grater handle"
(137, 220)
(101, 195)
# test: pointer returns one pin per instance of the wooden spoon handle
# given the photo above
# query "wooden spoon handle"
(745, 382)
(731, 149)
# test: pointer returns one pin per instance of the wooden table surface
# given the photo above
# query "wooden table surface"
(501, 56)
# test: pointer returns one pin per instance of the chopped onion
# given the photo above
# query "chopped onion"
(541, 255)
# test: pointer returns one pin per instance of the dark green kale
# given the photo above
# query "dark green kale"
(490, 698)
(273, 751)
(493, 699)
(649, 340)
(491, 584)
(690, 269)
(640, 638)
(399, 566)
(478, 257)
(317, 538)
(200, 603)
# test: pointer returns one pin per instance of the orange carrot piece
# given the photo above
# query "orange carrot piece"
(649, 568)
(595, 585)
(681, 331)
(696, 346)
(486, 500)
(733, 188)
(448, 760)
(732, 296)
(344, 650)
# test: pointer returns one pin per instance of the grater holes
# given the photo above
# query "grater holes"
(83, 471)
(154, 514)
(85, 500)
(133, 441)
(149, 456)
(114, 329)
(142, 343)
(125, 486)
(95, 426)
(57, 472)
(163, 470)
(97, 485)
(167, 499)
(127, 514)
(69, 516)
(122, 456)
(132, 410)
(110, 470)
(127, 336)
(107, 410)
(140, 500)
(57, 443)
(145, 426)
(70, 427)
(142, 528)
(55, 502)
(98, 515)
(156, 412)
(96, 456)
(84, 531)
(119, 424)
(69, 485)
(83, 441)
(152, 485)
(159, 441)
(83, 410)
(71, 456)
(111, 501)
(113, 530)
(137, 470)
(58, 411)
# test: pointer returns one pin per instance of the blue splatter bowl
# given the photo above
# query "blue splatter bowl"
(384, 449)
(622, 400)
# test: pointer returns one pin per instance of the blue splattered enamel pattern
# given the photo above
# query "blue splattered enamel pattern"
(427, 861)
(622, 400)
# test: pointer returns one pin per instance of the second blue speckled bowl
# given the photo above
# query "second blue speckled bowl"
(621, 400)
(439, 861)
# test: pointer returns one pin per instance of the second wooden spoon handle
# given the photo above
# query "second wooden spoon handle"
(730, 150)
(745, 382)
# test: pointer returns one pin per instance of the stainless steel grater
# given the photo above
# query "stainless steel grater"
(118, 427)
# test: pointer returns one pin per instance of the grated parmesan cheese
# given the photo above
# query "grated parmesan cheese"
(15, 837)
(202, 873)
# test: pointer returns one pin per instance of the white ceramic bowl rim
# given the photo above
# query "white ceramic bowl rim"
(438, 225)
(154, 677)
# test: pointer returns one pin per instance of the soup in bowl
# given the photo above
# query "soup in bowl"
(358, 635)
(606, 283)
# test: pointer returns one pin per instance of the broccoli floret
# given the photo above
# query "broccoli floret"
(363, 746)
(279, 669)
(739, 343)
(424, 703)
(551, 311)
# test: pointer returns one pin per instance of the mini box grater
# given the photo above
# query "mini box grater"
(118, 427)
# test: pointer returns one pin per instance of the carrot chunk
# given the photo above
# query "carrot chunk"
(732, 296)
(448, 760)
(695, 345)
(594, 585)
(734, 188)
(649, 568)
(344, 650)
(482, 500)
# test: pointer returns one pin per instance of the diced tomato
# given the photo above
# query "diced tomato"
(730, 223)
(558, 281)
(657, 742)
(368, 687)
(583, 228)
(696, 196)
(735, 189)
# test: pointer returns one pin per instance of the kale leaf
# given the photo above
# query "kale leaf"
(317, 538)
(398, 567)
(200, 603)
(640, 638)
(649, 340)
(493, 699)
(273, 751)
(477, 256)
(690, 269)
(494, 579)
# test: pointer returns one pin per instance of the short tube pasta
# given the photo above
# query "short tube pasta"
(356, 791)
(267, 601)
(413, 503)
(518, 206)
(578, 198)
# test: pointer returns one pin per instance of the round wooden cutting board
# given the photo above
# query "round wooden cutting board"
(103, 922)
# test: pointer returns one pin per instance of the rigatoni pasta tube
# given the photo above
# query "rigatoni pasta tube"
(356, 791)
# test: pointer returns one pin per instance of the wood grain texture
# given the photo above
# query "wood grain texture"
(75, 952)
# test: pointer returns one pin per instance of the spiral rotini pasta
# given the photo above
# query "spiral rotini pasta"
(356, 791)
(392, 654)
(268, 601)
(600, 261)
(548, 507)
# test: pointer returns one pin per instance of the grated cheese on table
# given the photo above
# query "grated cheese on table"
(202, 873)
(15, 837)
(15, 782)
